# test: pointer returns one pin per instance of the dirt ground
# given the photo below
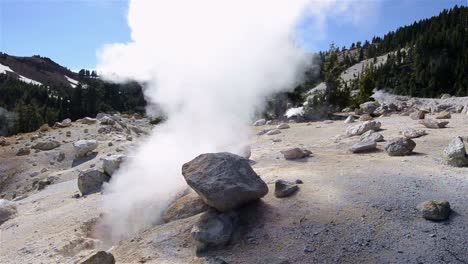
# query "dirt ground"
(351, 208)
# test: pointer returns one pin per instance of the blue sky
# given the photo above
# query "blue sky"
(70, 31)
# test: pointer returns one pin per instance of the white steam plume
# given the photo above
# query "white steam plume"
(209, 64)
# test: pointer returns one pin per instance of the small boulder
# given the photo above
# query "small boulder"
(364, 146)
(443, 115)
(412, 133)
(273, 132)
(7, 210)
(371, 136)
(365, 117)
(260, 122)
(46, 145)
(88, 121)
(435, 210)
(369, 107)
(23, 151)
(284, 188)
(455, 154)
(91, 180)
(106, 120)
(224, 180)
(213, 230)
(400, 147)
(349, 120)
(101, 257)
(186, 206)
(418, 114)
(295, 153)
(283, 126)
(432, 123)
(360, 129)
(112, 163)
(65, 123)
(84, 147)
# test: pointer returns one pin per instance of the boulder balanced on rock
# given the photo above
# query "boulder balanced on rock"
(224, 180)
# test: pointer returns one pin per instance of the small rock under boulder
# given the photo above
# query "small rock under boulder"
(186, 206)
(91, 180)
(400, 147)
(435, 210)
(295, 153)
(224, 180)
(284, 188)
(213, 230)
(455, 154)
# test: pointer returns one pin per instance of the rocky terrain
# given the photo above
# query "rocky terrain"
(387, 185)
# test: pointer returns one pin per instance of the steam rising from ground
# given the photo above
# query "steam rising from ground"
(209, 64)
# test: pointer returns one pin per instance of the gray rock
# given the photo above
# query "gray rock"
(419, 114)
(432, 123)
(91, 180)
(101, 257)
(107, 121)
(184, 207)
(369, 107)
(260, 122)
(101, 115)
(273, 132)
(413, 133)
(284, 188)
(360, 129)
(7, 210)
(295, 153)
(283, 126)
(371, 136)
(443, 115)
(84, 147)
(263, 131)
(455, 153)
(60, 156)
(23, 151)
(363, 146)
(88, 121)
(224, 180)
(112, 163)
(365, 117)
(213, 230)
(435, 210)
(46, 145)
(349, 120)
(400, 147)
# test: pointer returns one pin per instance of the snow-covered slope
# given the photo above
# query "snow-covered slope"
(4, 69)
(72, 82)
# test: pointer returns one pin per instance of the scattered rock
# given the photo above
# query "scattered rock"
(112, 163)
(295, 153)
(186, 206)
(435, 210)
(224, 180)
(106, 120)
(260, 122)
(432, 123)
(413, 133)
(273, 132)
(298, 181)
(129, 138)
(101, 257)
(369, 107)
(349, 120)
(263, 131)
(86, 130)
(371, 136)
(443, 115)
(23, 151)
(455, 153)
(84, 147)
(60, 156)
(284, 188)
(419, 114)
(365, 117)
(3, 142)
(91, 180)
(7, 210)
(212, 230)
(360, 129)
(88, 121)
(46, 145)
(65, 123)
(400, 147)
(363, 146)
(68, 134)
(283, 126)
(44, 128)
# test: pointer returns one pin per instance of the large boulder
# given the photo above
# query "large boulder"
(91, 180)
(224, 180)
(46, 145)
(7, 210)
(455, 153)
(84, 147)
(400, 147)
(369, 107)
(295, 153)
(360, 129)
(364, 146)
(435, 210)
(112, 163)
(186, 206)
(101, 257)
(432, 123)
(213, 230)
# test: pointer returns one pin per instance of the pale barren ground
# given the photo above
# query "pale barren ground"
(352, 208)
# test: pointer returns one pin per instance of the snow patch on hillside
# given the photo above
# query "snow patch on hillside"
(4, 69)
(72, 82)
